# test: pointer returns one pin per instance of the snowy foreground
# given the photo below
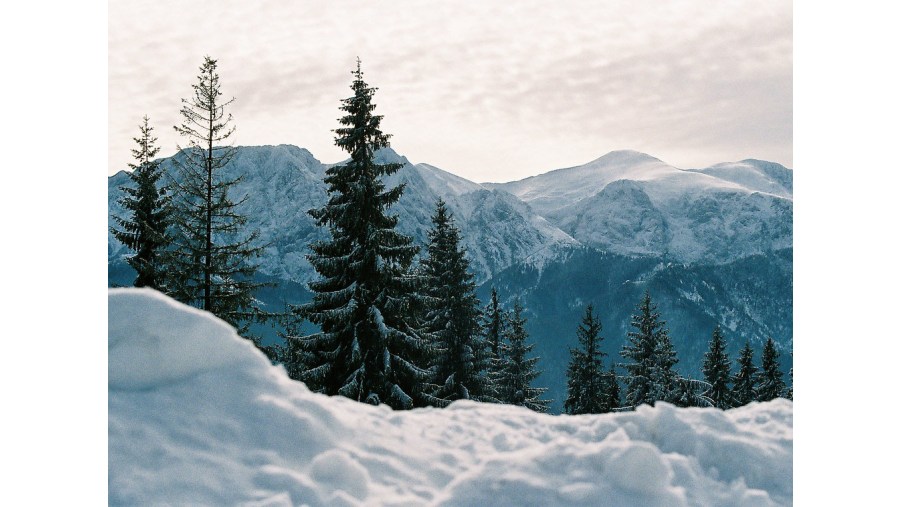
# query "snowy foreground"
(198, 416)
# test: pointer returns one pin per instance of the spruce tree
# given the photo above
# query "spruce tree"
(146, 230)
(518, 371)
(588, 392)
(368, 348)
(611, 387)
(790, 393)
(649, 373)
(664, 379)
(462, 356)
(717, 371)
(771, 384)
(744, 389)
(493, 324)
(212, 263)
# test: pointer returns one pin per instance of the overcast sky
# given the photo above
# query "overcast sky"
(488, 90)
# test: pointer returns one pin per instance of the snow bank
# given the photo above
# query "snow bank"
(198, 416)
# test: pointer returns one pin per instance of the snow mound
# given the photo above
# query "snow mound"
(154, 340)
(198, 416)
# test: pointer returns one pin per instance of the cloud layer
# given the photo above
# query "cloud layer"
(492, 91)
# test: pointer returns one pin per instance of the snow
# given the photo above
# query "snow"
(634, 204)
(198, 416)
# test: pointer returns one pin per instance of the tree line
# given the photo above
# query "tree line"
(391, 329)
(649, 374)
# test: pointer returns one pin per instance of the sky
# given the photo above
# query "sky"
(488, 90)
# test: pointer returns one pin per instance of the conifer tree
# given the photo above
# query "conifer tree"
(462, 356)
(518, 371)
(588, 392)
(212, 262)
(717, 371)
(651, 356)
(611, 386)
(146, 230)
(368, 348)
(493, 324)
(664, 379)
(691, 393)
(771, 383)
(790, 393)
(744, 389)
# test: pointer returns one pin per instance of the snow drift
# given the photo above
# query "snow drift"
(198, 416)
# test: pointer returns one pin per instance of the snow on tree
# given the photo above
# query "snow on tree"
(146, 230)
(494, 318)
(494, 326)
(588, 392)
(212, 260)
(368, 348)
(717, 371)
(664, 380)
(770, 383)
(518, 371)
(648, 374)
(744, 387)
(461, 359)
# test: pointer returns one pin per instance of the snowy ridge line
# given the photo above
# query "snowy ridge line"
(198, 416)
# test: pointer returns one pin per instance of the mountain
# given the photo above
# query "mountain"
(634, 204)
(281, 183)
(713, 246)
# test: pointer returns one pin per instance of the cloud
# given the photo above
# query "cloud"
(489, 90)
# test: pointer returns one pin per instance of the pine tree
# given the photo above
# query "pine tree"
(745, 378)
(460, 365)
(518, 372)
(611, 388)
(664, 379)
(717, 371)
(771, 383)
(649, 374)
(691, 393)
(790, 393)
(368, 348)
(588, 392)
(212, 265)
(146, 230)
(493, 324)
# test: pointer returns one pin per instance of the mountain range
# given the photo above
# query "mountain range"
(712, 245)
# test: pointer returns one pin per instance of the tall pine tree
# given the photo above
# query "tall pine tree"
(770, 384)
(588, 392)
(518, 371)
(212, 265)
(744, 387)
(462, 357)
(717, 371)
(369, 348)
(146, 230)
(651, 357)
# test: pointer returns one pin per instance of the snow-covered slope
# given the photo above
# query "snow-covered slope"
(634, 204)
(283, 182)
(198, 416)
